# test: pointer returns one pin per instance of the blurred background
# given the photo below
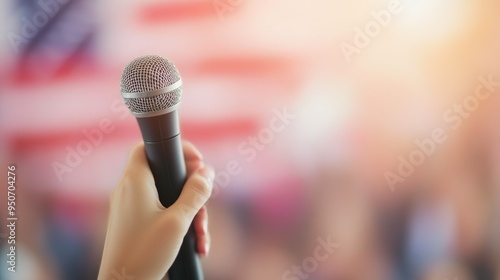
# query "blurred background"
(362, 86)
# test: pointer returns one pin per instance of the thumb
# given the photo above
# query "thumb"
(195, 194)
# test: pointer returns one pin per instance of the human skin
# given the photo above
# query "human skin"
(143, 237)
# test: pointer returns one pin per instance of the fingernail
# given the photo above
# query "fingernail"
(207, 249)
(205, 227)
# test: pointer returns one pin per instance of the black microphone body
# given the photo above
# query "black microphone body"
(152, 88)
(162, 142)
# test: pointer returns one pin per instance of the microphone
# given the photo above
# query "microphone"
(152, 89)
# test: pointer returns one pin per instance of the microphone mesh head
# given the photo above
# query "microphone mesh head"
(147, 74)
(146, 105)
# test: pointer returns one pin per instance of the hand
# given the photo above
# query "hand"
(143, 238)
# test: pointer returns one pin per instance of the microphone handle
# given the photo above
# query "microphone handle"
(166, 161)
